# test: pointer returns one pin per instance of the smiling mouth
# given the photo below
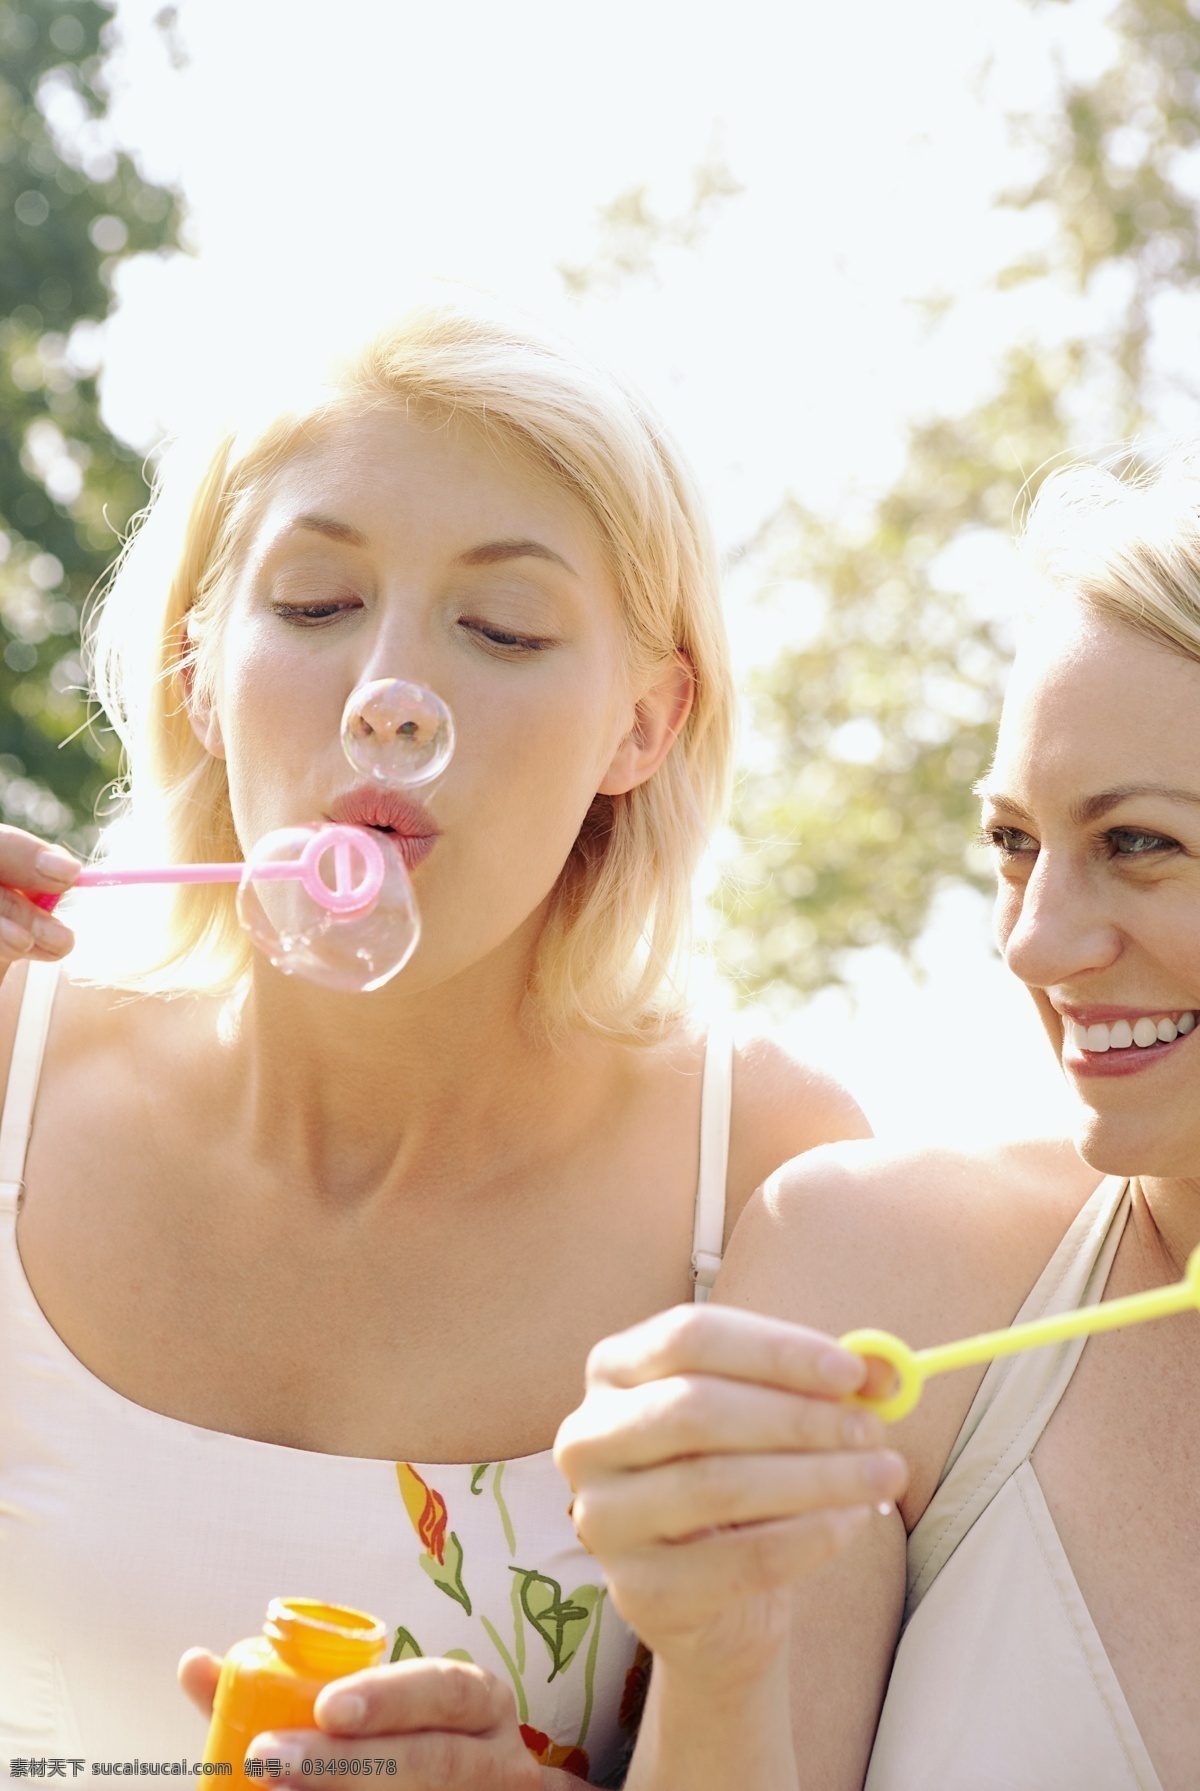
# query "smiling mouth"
(1126, 1035)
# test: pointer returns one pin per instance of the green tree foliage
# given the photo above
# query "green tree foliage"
(69, 210)
(632, 233)
(877, 726)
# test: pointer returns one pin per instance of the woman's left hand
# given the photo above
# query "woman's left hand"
(447, 1725)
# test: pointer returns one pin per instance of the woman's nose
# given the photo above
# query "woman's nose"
(399, 646)
(1056, 925)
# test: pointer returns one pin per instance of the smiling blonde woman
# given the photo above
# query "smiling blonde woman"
(1031, 1614)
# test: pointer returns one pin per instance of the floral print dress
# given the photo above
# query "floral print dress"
(521, 1597)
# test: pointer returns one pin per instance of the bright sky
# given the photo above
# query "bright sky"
(335, 159)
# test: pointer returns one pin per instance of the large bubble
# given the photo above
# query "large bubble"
(332, 904)
(397, 734)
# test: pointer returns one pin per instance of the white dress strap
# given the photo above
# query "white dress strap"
(716, 1096)
(29, 1045)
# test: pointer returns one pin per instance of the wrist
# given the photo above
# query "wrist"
(709, 1725)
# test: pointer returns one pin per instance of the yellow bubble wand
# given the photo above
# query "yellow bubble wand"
(913, 1368)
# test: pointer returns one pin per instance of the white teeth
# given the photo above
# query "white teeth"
(1120, 1035)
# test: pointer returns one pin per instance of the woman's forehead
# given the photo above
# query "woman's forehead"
(1093, 702)
(383, 468)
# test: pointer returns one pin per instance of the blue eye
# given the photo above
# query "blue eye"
(1009, 840)
(1133, 842)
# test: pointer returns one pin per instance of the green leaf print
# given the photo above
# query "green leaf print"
(446, 1574)
(405, 1646)
(561, 1622)
(477, 1474)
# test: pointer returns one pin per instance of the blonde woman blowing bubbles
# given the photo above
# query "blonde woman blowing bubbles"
(297, 1286)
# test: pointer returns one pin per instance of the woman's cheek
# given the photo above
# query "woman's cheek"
(1005, 913)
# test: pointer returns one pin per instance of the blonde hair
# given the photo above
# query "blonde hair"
(619, 913)
(1128, 547)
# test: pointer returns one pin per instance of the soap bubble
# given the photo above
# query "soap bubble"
(397, 734)
(332, 904)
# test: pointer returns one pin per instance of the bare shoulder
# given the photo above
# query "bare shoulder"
(782, 1108)
(98, 1028)
(863, 1233)
(930, 1245)
(12, 990)
(12, 993)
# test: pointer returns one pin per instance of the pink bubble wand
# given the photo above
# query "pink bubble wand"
(358, 868)
(362, 924)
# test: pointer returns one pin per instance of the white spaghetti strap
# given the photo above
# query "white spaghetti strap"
(16, 1121)
(716, 1095)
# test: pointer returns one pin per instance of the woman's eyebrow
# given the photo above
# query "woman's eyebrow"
(985, 793)
(331, 528)
(490, 553)
(1092, 807)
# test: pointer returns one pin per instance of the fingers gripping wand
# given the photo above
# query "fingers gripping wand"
(913, 1368)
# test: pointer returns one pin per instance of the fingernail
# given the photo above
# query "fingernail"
(50, 933)
(840, 1370)
(881, 1472)
(343, 1710)
(862, 1430)
(56, 866)
(16, 938)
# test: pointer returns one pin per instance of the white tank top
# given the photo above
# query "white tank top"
(1001, 1681)
(127, 1537)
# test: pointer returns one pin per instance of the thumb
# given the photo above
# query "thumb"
(198, 1673)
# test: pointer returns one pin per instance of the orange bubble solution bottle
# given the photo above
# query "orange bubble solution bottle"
(271, 1681)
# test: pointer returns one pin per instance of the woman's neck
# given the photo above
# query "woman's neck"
(1167, 1210)
(355, 1095)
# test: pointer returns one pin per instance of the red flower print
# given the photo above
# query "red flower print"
(426, 1508)
(550, 1753)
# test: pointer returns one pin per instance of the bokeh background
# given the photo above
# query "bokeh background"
(878, 266)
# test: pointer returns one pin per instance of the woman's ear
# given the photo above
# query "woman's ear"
(660, 713)
(206, 725)
(202, 713)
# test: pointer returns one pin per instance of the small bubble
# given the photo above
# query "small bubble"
(397, 734)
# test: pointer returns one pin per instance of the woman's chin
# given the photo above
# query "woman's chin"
(1131, 1145)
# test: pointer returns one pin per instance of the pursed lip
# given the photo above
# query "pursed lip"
(404, 820)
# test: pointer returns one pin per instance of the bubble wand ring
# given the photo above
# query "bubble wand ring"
(913, 1368)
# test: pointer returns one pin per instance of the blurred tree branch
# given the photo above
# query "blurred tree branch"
(877, 727)
(632, 234)
(70, 210)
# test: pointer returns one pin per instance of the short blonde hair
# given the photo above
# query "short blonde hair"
(1126, 546)
(619, 913)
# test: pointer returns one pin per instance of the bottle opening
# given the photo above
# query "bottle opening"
(327, 1638)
